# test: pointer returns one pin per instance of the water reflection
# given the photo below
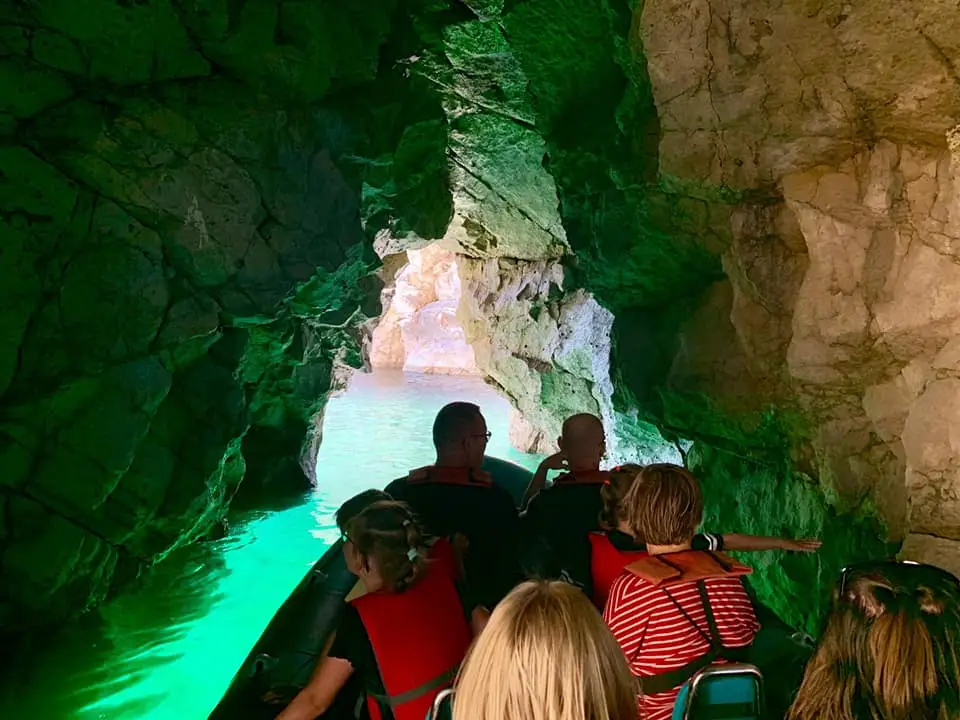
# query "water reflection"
(170, 648)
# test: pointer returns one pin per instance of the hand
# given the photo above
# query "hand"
(557, 461)
(803, 545)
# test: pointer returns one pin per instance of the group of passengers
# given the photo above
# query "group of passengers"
(598, 600)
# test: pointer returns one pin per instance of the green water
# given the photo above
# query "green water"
(170, 649)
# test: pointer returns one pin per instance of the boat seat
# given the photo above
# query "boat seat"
(442, 708)
(722, 692)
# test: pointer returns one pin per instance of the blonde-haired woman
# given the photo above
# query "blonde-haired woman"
(545, 655)
(891, 648)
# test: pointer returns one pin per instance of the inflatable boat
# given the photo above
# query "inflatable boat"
(283, 658)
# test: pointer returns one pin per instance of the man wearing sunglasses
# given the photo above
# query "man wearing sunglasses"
(455, 497)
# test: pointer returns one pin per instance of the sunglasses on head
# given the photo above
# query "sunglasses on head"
(880, 565)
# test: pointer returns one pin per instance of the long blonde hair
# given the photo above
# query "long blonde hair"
(545, 655)
(890, 651)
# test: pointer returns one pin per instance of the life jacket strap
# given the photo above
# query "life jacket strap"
(439, 682)
(661, 682)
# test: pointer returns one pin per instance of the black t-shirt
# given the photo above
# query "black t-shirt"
(485, 515)
(353, 645)
(554, 524)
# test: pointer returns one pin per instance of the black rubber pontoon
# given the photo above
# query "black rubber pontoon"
(284, 656)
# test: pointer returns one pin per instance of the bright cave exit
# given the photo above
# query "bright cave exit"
(169, 650)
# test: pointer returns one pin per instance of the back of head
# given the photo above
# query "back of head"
(453, 424)
(664, 505)
(613, 491)
(356, 505)
(891, 648)
(386, 532)
(582, 441)
(545, 655)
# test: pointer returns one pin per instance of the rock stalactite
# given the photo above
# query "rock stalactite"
(729, 227)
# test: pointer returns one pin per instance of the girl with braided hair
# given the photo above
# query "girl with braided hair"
(407, 629)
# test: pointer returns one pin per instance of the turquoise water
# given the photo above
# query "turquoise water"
(170, 649)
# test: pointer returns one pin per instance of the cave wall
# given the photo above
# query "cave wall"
(760, 198)
(181, 267)
(844, 270)
(728, 228)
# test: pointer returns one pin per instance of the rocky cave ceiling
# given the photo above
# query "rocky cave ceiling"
(728, 221)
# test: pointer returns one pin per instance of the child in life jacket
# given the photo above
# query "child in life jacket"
(406, 627)
(677, 610)
(615, 546)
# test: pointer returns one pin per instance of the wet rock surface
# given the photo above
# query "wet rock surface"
(729, 228)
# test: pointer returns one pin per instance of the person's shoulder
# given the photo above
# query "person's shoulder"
(402, 484)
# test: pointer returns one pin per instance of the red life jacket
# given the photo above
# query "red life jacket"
(607, 564)
(437, 475)
(582, 477)
(419, 637)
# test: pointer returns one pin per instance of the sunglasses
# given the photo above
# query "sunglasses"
(880, 565)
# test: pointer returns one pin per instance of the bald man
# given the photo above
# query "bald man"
(582, 447)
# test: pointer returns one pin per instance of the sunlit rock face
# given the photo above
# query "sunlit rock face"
(419, 330)
(837, 125)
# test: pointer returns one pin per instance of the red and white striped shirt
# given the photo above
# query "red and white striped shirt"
(656, 637)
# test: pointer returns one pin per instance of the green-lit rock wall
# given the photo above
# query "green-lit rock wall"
(709, 222)
(182, 266)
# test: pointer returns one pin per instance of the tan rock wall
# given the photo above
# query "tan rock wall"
(846, 294)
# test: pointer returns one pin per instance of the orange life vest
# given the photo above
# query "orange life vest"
(684, 567)
(607, 564)
(435, 474)
(419, 637)
(582, 477)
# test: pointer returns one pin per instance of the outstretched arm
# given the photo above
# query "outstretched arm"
(557, 461)
(315, 699)
(735, 541)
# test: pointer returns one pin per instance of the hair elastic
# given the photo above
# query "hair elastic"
(412, 554)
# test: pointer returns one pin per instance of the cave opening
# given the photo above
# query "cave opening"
(419, 330)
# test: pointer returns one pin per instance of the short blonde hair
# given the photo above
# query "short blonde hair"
(545, 655)
(664, 506)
